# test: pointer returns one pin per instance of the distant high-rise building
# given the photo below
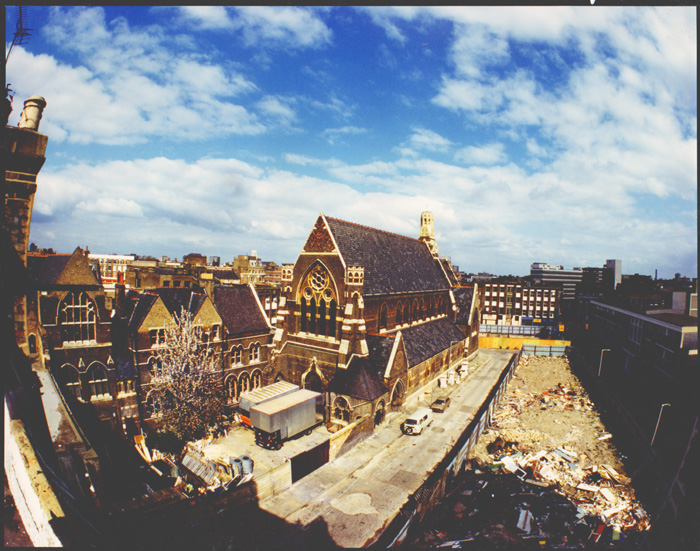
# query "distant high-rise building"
(548, 274)
(615, 266)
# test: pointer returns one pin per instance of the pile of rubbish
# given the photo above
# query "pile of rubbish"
(544, 475)
(492, 511)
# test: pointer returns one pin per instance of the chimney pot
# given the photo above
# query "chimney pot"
(31, 114)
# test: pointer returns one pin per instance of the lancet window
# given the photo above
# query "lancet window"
(318, 303)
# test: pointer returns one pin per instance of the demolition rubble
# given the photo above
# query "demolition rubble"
(546, 474)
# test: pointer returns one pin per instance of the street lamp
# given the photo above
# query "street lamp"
(657, 422)
(601, 359)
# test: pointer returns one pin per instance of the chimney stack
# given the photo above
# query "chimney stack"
(31, 114)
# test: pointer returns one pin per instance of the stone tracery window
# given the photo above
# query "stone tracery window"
(77, 318)
(341, 409)
(382, 317)
(318, 303)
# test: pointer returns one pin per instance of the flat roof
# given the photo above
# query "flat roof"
(682, 320)
(286, 401)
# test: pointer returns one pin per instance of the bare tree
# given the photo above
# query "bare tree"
(185, 384)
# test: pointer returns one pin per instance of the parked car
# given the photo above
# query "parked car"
(415, 423)
(440, 405)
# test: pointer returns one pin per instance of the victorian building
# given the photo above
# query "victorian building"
(367, 317)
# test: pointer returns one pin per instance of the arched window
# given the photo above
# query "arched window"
(256, 379)
(77, 318)
(304, 315)
(381, 324)
(244, 383)
(415, 311)
(236, 356)
(332, 320)
(152, 363)
(231, 389)
(254, 352)
(31, 342)
(71, 378)
(318, 303)
(399, 313)
(97, 379)
(341, 409)
(424, 312)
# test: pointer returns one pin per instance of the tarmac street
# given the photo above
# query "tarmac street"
(359, 493)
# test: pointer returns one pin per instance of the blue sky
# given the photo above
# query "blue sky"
(561, 135)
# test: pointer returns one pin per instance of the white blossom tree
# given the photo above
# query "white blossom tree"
(185, 382)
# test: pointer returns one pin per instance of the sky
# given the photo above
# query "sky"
(565, 135)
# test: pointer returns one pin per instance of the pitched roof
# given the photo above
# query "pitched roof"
(447, 266)
(393, 263)
(142, 305)
(357, 381)
(46, 269)
(463, 297)
(240, 309)
(428, 339)
(61, 269)
(380, 347)
(177, 298)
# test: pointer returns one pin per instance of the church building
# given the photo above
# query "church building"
(367, 317)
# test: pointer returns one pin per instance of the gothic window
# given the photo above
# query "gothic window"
(341, 409)
(382, 317)
(424, 311)
(236, 356)
(415, 311)
(244, 383)
(254, 353)
(399, 314)
(71, 376)
(99, 384)
(31, 341)
(153, 407)
(318, 303)
(231, 389)
(256, 379)
(152, 363)
(77, 318)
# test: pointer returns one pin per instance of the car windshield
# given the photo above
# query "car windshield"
(410, 422)
(440, 401)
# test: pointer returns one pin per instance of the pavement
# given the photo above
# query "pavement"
(358, 494)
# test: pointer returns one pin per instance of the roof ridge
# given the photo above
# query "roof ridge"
(371, 228)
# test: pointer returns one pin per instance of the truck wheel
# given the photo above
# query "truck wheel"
(307, 432)
(278, 446)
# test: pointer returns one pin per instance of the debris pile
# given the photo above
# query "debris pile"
(546, 473)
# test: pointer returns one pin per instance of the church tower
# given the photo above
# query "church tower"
(427, 234)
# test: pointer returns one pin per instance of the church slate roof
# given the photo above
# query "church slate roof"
(239, 309)
(464, 298)
(357, 381)
(380, 347)
(393, 263)
(424, 341)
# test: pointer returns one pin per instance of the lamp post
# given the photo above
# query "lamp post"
(601, 359)
(657, 422)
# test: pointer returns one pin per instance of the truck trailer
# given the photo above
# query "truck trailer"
(282, 418)
(260, 395)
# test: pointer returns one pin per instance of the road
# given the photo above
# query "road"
(356, 496)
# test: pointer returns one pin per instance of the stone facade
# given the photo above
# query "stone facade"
(367, 318)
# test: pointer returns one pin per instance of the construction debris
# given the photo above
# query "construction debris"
(544, 474)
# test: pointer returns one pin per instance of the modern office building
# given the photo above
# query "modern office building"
(549, 275)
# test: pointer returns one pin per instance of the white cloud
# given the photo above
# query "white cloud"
(277, 108)
(282, 26)
(128, 86)
(335, 134)
(486, 155)
(427, 140)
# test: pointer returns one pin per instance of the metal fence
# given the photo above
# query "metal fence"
(553, 351)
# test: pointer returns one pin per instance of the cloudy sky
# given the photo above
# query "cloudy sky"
(561, 135)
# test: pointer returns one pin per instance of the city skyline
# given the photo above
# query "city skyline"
(558, 135)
